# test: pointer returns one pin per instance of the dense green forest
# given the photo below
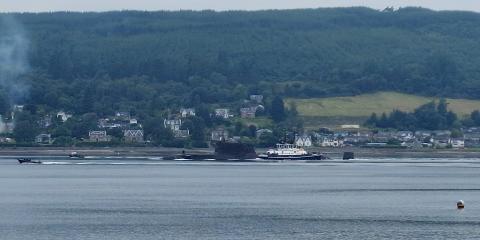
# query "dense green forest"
(149, 63)
(152, 60)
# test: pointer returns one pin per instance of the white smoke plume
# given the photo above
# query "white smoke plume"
(14, 47)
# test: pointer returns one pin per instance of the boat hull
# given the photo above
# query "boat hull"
(313, 157)
(27, 161)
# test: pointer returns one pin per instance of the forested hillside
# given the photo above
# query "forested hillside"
(148, 61)
(151, 60)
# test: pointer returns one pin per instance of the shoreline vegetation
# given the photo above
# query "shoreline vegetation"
(334, 153)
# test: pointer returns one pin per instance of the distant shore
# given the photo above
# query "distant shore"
(160, 151)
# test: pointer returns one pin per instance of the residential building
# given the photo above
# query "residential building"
(472, 139)
(6, 140)
(64, 116)
(404, 136)
(256, 98)
(181, 133)
(423, 134)
(45, 121)
(18, 108)
(133, 135)
(330, 142)
(122, 115)
(98, 136)
(412, 144)
(249, 112)
(107, 123)
(133, 121)
(173, 124)
(44, 139)
(219, 135)
(261, 132)
(187, 112)
(356, 139)
(384, 137)
(458, 143)
(303, 141)
(223, 113)
(441, 141)
(350, 126)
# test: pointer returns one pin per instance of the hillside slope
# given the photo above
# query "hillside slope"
(381, 102)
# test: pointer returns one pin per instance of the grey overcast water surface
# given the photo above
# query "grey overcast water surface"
(148, 199)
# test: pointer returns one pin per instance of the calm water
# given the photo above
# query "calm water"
(148, 199)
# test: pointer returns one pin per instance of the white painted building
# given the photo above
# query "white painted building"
(64, 116)
(187, 112)
(331, 142)
(458, 143)
(303, 141)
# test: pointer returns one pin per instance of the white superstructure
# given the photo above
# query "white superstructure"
(287, 150)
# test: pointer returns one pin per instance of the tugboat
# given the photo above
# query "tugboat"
(290, 152)
(28, 160)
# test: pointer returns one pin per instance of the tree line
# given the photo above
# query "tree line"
(430, 116)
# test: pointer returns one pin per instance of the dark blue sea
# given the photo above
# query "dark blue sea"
(135, 198)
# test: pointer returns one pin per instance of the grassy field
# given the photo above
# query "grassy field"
(365, 105)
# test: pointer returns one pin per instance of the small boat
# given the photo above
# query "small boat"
(290, 152)
(28, 160)
(76, 155)
(461, 204)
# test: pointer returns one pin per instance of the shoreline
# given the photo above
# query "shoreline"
(161, 151)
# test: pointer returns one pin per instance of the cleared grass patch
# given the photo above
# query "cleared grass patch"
(365, 105)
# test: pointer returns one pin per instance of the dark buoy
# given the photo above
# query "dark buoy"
(460, 204)
(348, 155)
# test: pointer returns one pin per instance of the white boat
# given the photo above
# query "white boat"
(290, 152)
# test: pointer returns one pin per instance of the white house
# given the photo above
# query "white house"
(133, 121)
(223, 113)
(256, 98)
(248, 112)
(350, 126)
(303, 141)
(63, 116)
(219, 135)
(187, 112)
(133, 135)
(44, 139)
(261, 132)
(99, 136)
(458, 143)
(122, 115)
(330, 142)
(173, 124)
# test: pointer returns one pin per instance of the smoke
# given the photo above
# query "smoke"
(14, 48)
